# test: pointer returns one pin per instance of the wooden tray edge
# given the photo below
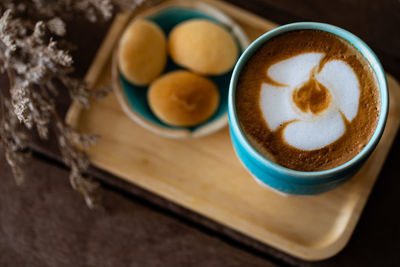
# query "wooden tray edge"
(98, 64)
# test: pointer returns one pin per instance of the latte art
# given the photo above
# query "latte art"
(307, 98)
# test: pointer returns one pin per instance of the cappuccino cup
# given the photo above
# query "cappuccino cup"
(307, 106)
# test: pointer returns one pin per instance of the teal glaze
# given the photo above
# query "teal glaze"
(298, 182)
(137, 95)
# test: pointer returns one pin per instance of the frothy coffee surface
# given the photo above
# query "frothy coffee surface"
(308, 100)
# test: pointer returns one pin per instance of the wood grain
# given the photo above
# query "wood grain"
(205, 175)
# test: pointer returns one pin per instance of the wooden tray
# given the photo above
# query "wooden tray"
(204, 174)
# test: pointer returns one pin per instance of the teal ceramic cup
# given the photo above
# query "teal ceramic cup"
(298, 182)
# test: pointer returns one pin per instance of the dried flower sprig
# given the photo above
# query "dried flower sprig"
(71, 144)
(92, 10)
(14, 141)
(37, 68)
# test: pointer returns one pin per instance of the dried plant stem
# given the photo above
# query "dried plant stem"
(14, 142)
(74, 156)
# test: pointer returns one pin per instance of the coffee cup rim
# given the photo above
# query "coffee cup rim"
(362, 47)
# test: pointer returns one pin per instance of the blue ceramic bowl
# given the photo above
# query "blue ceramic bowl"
(134, 98)
(297, 182)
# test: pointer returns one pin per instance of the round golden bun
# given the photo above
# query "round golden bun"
(203, 47)
(142, 52)
(182, 98)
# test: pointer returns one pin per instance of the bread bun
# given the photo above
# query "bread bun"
(142, 52)
(203, 46)
(182, 98)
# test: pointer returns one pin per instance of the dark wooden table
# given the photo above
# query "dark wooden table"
(45, 223)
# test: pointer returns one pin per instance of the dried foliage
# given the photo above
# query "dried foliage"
(38, 64)
(14, 140)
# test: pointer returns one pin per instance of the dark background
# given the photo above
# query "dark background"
(45, 223)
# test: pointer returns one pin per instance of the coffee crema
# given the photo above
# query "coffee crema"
(308, 100)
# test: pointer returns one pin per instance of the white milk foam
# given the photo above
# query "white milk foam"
(308, 131)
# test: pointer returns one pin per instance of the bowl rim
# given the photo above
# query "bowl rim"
(178, 133)
(311, 176)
